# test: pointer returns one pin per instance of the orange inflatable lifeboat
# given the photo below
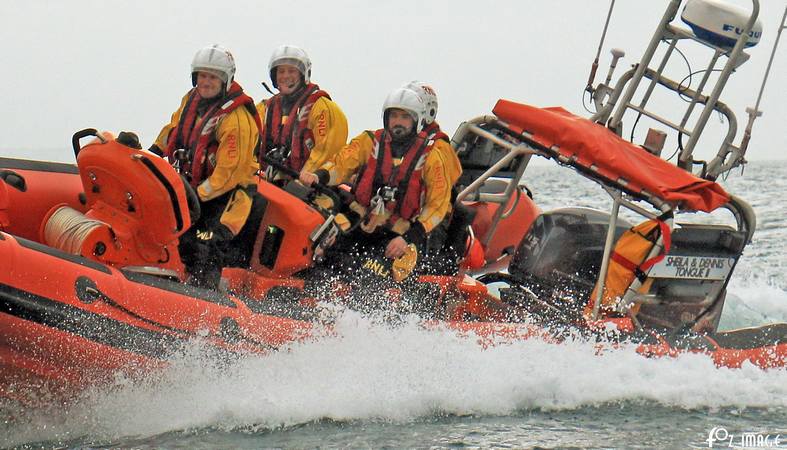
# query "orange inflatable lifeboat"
(100, 290)
(91, 281)
(663, 282)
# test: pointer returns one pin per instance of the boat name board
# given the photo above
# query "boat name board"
(693, 267)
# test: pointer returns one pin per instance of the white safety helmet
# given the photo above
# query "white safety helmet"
(216, 60)
(407, 100)
(428, 95)
(293, 56)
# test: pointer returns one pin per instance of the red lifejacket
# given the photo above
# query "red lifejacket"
(407, 177)
(294, 135)
(196, 133)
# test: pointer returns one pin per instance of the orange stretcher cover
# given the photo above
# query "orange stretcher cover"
(591, 144)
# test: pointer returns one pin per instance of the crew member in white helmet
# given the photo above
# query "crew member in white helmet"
(212, 139)
(447, 242)
(402, 185)
(302, 127)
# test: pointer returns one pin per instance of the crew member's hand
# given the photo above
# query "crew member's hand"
(156, 150)
(396, 247)
(308, 178)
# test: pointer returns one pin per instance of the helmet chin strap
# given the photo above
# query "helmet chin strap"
(294, 88)
(289, 99)
(221, 94)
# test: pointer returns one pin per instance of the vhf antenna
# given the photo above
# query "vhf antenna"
(594, 66)
(755, 112)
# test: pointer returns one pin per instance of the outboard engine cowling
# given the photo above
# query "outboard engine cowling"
(557, 262)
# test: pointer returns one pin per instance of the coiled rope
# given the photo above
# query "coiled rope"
(68, 228)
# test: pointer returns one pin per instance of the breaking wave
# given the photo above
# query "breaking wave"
(375, 372)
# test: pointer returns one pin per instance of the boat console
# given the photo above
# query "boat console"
(137, 207)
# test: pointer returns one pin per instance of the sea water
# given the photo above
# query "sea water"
(373, 385)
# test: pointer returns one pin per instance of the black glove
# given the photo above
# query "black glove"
(416, 235)
(323, 176)
(155, 149)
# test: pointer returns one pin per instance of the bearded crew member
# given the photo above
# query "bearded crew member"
(211, 139)
(447, 241)
(432, 129)
(302, 127)
(403, 185)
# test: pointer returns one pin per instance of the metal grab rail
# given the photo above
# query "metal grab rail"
(718, 165)
(618, 189)
(617, 201)
(515, 150)
(732, 60)
(620, 99)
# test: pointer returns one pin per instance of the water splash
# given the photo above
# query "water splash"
(753, 301)
(373, 372)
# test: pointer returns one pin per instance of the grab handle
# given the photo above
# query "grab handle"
(84, 133)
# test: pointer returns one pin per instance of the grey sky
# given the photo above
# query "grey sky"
(124, 65)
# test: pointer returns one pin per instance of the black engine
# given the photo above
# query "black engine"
(556, 265)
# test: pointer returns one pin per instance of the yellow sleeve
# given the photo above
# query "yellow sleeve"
(329, 127)
(349, 159)
(236, 165)
(261, 111)
(436, 176)
(163, 137)
(453, 165)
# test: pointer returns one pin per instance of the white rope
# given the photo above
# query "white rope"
(68, 228)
